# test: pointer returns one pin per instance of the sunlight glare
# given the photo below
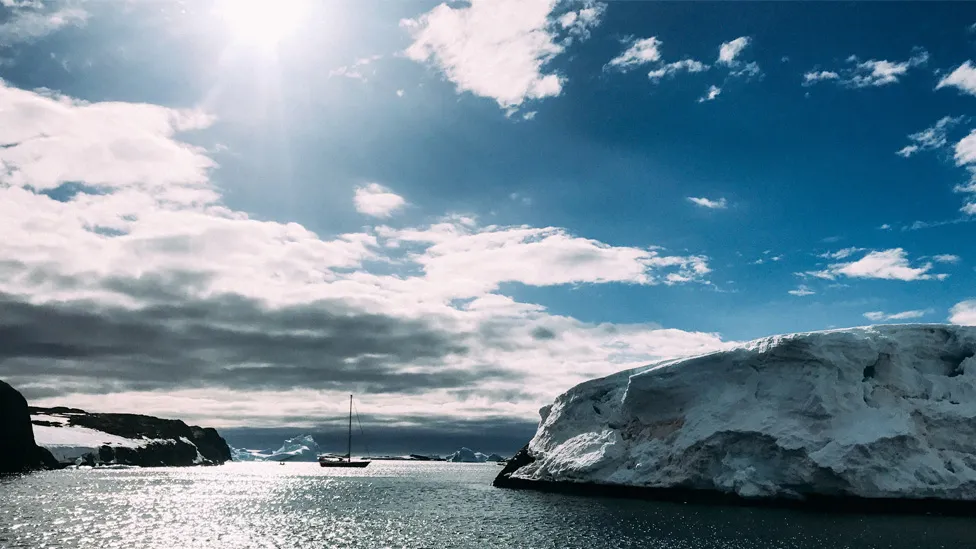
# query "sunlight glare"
(262, 22)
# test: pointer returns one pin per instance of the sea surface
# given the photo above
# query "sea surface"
(404, 504)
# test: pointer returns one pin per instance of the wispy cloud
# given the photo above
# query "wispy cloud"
(639, 52)
(378, 201)
(934, 137)
(869, 73)
(880, 316)
(890, 264)
(801, 291)
(357, 69)
(29, 21)
(963, 78)
(946, 258)
(711, 94)
(497, 49)
(670, 69)
(719, 204)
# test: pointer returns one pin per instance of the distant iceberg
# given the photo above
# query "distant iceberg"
(467, 455)
(300, 448)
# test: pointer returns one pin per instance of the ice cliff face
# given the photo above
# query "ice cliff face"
(877, 412)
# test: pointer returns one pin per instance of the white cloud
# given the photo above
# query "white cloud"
(885, 227)
(30, 21)
(496, 48)
(729, 51)
(719, 204)
(963, 313)
(378, 201)
(965, 150)
(870, 73)
(890, 264)
(817, 76)
(399, 93)
(879, 316)
(357, 69)
(934, 137)
(801, 291)
(841, 254)
(946, 258)
(670, 69)
(711, 94)
(962, 78)
(639, 52)
(143, 234)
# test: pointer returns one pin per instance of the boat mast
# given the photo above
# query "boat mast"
(349, 452)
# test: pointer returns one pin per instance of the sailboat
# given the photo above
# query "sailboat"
(337, 461)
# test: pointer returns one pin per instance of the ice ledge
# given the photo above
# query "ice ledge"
(882, 413)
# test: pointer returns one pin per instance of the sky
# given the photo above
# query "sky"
(238, 212)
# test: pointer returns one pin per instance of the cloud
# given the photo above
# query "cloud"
(355, 71)
(841, 254)
(930, 138)
(963, 313)
(711, 94)
(670, 69)
(719, 204)
(965, 150)
(729, 51)
(870, 73)
(962, 78)
(801, 291)
(122, 273)
(29, 21)
(639, 52)
(885, 227)
(879, 316)
(946, 258)
(817, 76)
(378, 201)
(497, 48)
(887, 265)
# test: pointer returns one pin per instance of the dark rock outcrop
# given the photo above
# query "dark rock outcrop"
(172, 442)
(18, 452)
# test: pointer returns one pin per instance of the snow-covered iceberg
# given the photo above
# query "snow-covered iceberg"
(467, 455)
(300, 448)
(877, 412)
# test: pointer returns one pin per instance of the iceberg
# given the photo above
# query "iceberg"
(884, 412)
(300, 448)
(467, 455)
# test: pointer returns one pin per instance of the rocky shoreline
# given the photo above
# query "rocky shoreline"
(33, 438)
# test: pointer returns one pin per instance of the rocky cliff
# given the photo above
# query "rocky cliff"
(76, 436)
(18, 451)
(878, 415)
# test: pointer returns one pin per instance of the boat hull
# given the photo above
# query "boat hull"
(357, 464)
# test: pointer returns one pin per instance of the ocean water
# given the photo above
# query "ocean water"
(402, 504)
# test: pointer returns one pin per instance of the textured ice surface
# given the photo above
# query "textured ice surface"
(885, 411)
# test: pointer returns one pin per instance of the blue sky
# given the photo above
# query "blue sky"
(562, 189)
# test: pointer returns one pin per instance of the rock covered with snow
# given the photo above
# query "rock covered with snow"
(74, 437)
(875, 412)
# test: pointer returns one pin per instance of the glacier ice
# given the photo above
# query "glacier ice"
(467, 455)
(873, 412)
(300, 448)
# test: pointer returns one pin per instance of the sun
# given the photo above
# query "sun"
(262, 22)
